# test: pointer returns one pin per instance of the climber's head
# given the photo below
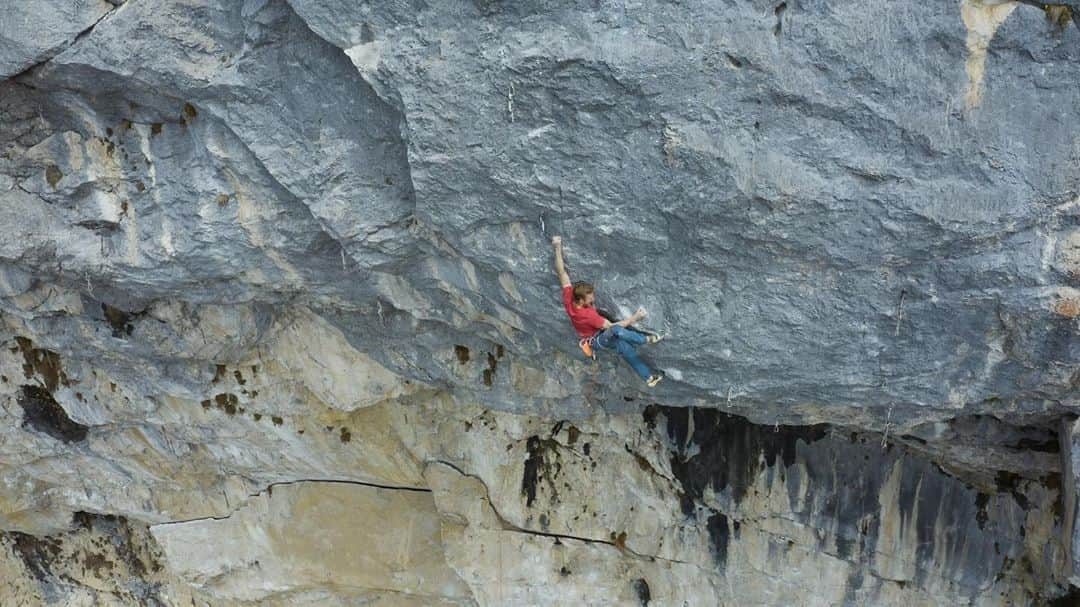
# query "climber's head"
(583, 294)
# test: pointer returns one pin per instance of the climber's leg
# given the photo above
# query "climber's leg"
(627, 335)
(630, 355)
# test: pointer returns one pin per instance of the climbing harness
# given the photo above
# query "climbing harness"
(586, 344)
(589, 344)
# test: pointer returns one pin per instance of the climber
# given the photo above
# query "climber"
(595, 329)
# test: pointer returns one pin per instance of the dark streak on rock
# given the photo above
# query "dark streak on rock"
(42, 413)
(1042, 446)
(641, 588)
(120, 533)
(227, 403)
(981, 516)
(45, 363)
(53, 175)
(1009, 482)
(731, 451)
(779, 12)
(98, 225)
(572, 434)
(1070, 599)
(717, 526)
(531, 474)
(539, 465)
(118, 319)
(36, 553)
(489, 373)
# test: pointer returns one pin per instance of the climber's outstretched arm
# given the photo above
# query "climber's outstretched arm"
(628, 322)
(564, 278)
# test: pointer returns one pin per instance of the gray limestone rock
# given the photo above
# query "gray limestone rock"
(1070, 483)
(238, 231)
(33, 32)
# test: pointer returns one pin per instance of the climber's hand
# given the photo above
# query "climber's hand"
(556, 240)
(640, 313)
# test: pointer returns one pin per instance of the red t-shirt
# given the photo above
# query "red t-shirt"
(586, 321)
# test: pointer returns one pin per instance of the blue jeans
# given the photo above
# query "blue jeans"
(623, 341)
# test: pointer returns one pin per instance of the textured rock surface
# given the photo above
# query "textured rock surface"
(305, 537)
(35, 32)
(277, 260)
(1070, 467)
(102, 560)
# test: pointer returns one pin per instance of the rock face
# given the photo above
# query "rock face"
(280, 324)
(301, 538)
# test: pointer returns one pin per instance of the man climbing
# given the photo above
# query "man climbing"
(593, 328)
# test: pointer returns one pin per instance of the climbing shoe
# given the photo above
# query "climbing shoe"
(654, 379)
(652, 339)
